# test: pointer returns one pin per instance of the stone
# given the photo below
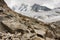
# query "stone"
(15, 39)
(56, 28)
(50, 34)
(57, 24)
(40, 32)
(58, 35)
(13, 24)
(38, 38)
(49, 38)
(1, 10)
(53, 26)
(36, 26)
(27, 36)
(37, 8)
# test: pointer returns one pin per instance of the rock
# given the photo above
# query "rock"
(37, 8)
(37, 26)
(56, 28)
(13, 24)
(57, 24)
(38, 38)
(15, 39)
(57, 35)
(49, 38)
(40, 32)
(50, 34)
(27, 36)
(1, 10)
(53, 26)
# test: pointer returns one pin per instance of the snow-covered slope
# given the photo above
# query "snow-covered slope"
(24, 7)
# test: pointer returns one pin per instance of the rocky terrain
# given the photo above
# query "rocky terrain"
(14, 26)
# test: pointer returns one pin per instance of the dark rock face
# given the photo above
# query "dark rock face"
(37, 7)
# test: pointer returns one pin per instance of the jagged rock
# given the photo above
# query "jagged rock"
(50, 34)
(40, 32)
(53, 26)
(49, 38)
(38, 38)
(37, 8)
(27, 36)
(57, 35)
(37, 26)
(56, 27)
(15, 39)
(13, 24)
(1, 10)
(57, 23)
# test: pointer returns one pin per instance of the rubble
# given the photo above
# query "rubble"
(37, 38)
(49, 38)
(15, 26)
(41, 32)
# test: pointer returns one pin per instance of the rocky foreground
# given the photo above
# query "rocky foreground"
(14, 26)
